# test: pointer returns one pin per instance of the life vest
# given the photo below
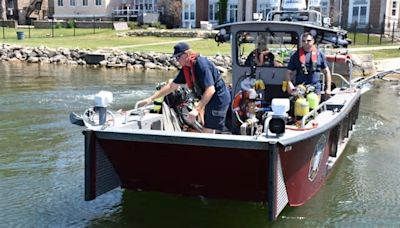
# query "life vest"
(314, 58)
(190, 75)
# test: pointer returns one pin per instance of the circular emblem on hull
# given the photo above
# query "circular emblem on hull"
(317, 157)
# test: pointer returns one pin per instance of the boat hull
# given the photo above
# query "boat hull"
(256, 169)
(212, 172)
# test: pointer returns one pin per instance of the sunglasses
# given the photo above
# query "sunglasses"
(304, 41)
(179, 56)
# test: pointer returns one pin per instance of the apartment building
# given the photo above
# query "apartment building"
(378, 14)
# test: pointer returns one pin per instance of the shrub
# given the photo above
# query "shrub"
(59, 25)
(71, 24)
(156, 24)
(133, 25)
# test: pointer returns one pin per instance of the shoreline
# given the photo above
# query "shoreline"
(113, 58)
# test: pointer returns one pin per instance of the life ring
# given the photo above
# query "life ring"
(239, 103)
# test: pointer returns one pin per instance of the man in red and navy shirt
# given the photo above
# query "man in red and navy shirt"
(200, 75)
(308, 63)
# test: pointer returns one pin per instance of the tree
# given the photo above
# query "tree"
(223, 7)
(3, 9)
(172, 12)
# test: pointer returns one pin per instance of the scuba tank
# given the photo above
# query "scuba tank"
(301, 107)
(313, 100)
(157, 105)
(158, 102)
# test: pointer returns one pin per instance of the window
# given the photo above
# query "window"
(188, 13)
(84, 2)
(213, 10)
(232, 12)
(265, 49)
(359, 11)
(145, 5)
(98, 2)
(394, 8)
(72, 2)
(60, 3)
(325, 8)
(263, 9)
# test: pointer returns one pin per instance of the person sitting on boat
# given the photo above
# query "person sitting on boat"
(261, 56)
(201, 76)
(308, 63)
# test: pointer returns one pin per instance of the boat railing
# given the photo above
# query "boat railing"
(141, 111)
(312, 114)
(340, 59)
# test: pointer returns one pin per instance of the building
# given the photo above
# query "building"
(103, 9)
(24, 11)
(376, 14)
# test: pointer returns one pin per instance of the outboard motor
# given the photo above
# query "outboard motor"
(102, 99)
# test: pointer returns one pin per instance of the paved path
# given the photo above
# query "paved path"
(387, 64)
(373, 48)
(160, 43)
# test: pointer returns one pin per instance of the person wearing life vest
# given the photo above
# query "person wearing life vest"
(204, 79)
(308, 62)
(261, 56)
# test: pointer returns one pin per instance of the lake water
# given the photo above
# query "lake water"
(42, 161)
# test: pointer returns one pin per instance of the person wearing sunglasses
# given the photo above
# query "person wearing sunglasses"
(204, 79)
(308, 63)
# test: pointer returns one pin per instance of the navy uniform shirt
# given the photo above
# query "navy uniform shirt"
(207, 75)
(313, 76)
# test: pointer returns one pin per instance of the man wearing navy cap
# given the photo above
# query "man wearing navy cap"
(200, 75)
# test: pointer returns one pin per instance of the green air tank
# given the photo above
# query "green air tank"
(313, 100)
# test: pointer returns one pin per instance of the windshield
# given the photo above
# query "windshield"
(265, 49)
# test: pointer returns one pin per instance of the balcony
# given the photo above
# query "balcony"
(132, 12)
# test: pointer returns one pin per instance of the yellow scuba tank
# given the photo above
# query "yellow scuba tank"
(313, 100)
(157, 104)
(301, 107)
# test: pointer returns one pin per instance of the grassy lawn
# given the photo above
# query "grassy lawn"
(207, 47)
(84, 38)
(107, 38)
(361, 40)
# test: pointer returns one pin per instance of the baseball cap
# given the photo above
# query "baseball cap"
(180, 48)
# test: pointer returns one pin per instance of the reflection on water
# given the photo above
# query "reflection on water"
(42, 168)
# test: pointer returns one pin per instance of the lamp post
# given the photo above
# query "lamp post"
(340, 13)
